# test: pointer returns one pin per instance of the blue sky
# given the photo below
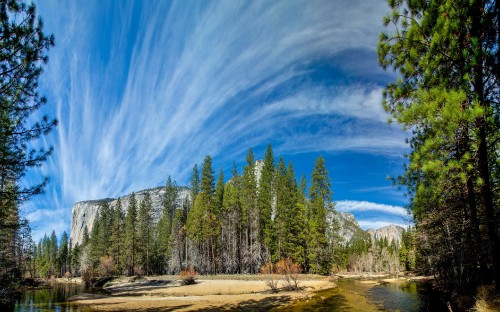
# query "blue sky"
(145, 89)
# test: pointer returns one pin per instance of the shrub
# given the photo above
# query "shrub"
(67, 275)
(268, 270)
(87, 276)
(107, 266)
(188, 276)
(289, 271)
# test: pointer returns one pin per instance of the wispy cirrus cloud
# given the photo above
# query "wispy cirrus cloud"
(361, 206)
(146, 89)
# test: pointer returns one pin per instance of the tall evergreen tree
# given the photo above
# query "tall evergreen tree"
(63, 255)
(202, 220)
(265, 203)
(250, 213)
(170, 198)
(195, 183)
(163, 231)
(177, 241)
(145, 233)
(23, 52)
(279, 222)
(295, 220)
(131, 235)
(448, 58)
(320, 195)
(230, 260)
(116, 244)
(219, 193)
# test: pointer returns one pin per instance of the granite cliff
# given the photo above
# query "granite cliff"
(391, 232)
(84, 213)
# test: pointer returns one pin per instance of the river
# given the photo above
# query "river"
(350, 295)
(50, 299)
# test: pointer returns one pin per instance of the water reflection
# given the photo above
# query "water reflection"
(406, 296)
(50, 299)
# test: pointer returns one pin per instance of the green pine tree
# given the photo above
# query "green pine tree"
(145, 234)
(116, 244)
(265, 203)
(23, 53)
(320, 199)
(447, 55)
(195, 183)
(219, 193)
(251, 216)
(131, 235)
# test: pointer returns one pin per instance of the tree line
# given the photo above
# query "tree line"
(255, 219)
(232, 227)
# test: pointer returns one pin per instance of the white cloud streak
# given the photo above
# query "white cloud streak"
(363, 206)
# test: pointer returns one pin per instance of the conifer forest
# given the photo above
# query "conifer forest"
(258, 217)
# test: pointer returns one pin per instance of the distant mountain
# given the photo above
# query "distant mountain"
(391, 232)
(84, 213)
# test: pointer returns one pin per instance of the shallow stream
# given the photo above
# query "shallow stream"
(350, 295)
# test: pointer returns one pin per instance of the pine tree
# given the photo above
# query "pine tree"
(96, 241)
(279, 223)
(208, 201)
(64, 255)
(145, 234)
(116, 245)
(170, 198)
(250, 212)
(265, 203)
(195, 184)
(230, 260)
(131, 235)
(447, 56)
(219, 193)
(320, 198)
(177, 239)
(23, 52)
(295, 220)
(163, 232)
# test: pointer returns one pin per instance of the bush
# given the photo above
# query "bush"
(289, 271)
(107, 266)
(289, 274)
(87, 276)
(67, 275)
(268, 270)
(188, 276)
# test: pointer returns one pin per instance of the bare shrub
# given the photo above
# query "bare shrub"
(268, 270)
(289, 271)
(87, 276)
(139, 270)
(188, 276)
(107, 266)
(67, 275)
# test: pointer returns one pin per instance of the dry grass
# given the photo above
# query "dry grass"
(209, 293)
(486, 300)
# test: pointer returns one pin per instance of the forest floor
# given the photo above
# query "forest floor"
(210, 293)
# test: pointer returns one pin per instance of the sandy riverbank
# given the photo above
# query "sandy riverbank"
(242, 292)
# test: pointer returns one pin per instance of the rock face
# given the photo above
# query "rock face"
(84, 213)
(348, 225)
(391, 232)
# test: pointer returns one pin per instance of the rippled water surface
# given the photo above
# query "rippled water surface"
(50, 299)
